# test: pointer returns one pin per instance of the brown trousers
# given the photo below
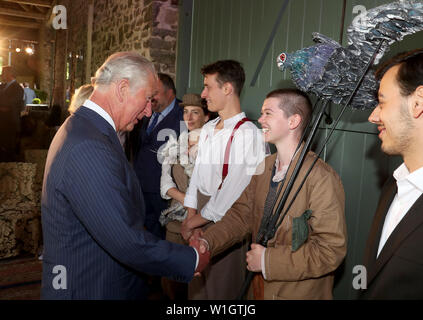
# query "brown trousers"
(173, 289)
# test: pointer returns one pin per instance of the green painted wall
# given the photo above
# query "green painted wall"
(210, 30)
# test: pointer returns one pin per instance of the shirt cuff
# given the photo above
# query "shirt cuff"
(164, 189)
(190, 201)
(263, 270)
(196, 259)
(208, 214)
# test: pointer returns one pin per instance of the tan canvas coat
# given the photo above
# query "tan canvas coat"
(306, 273)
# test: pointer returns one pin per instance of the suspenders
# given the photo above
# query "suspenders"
(228, 150)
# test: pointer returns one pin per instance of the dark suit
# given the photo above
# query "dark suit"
(397, 273)
(11, 103)
(148, 168)
(93, 218)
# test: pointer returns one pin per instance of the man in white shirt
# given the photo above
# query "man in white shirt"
(93, 211)
(219, 186)
(394, 254)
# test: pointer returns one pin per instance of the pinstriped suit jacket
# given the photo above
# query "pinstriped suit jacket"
(93, 219)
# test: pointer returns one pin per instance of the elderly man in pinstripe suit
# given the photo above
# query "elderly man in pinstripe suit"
(95, 244)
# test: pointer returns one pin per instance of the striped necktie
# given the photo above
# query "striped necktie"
(153, 123)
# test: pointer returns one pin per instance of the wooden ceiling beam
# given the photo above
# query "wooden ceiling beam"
(38, 3)
(21, 24)
(23, 14)
(24, 6)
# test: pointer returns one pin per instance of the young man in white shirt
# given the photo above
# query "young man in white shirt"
(216, 185)
(394, 256)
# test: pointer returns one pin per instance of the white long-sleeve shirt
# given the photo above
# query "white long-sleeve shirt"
(177, 152)
(246, 153)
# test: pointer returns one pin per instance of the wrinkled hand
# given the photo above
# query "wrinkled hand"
(254, 257)
(203, 254)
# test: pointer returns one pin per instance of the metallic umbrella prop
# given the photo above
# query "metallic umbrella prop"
(340, 75)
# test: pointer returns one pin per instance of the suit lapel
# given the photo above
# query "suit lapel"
(388, 194)
(412, 220)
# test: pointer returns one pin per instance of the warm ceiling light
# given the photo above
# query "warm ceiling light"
(29, 50)
(18, 49)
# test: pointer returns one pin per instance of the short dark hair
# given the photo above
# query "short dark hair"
(11, 70)
(293, 101)
(227, 71)
(167, 82)
(410, 72)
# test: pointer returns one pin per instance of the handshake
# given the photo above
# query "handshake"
(197, 242)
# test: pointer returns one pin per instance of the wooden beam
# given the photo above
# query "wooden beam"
(39, 3)
(18, 13)
(22, 24)
(23, 6)
(40, 9)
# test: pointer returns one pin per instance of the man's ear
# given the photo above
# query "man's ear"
(417, 104)
(122, 89)
(294, 121)
(228, 88)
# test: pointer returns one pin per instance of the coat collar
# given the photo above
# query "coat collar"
(412, 220)
(100, 123)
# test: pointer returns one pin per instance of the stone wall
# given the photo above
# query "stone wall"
(146, 26)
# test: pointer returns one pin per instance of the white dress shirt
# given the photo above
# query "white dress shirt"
(247, 152)
(410, 188)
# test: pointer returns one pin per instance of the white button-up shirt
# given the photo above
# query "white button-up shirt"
(410, 188)
(246, 153)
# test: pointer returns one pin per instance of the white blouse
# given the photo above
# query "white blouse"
(174, 152)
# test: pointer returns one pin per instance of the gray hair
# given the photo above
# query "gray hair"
(124, 65)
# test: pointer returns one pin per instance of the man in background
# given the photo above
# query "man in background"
(151, 134)
(11, 104)
(29, 94)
